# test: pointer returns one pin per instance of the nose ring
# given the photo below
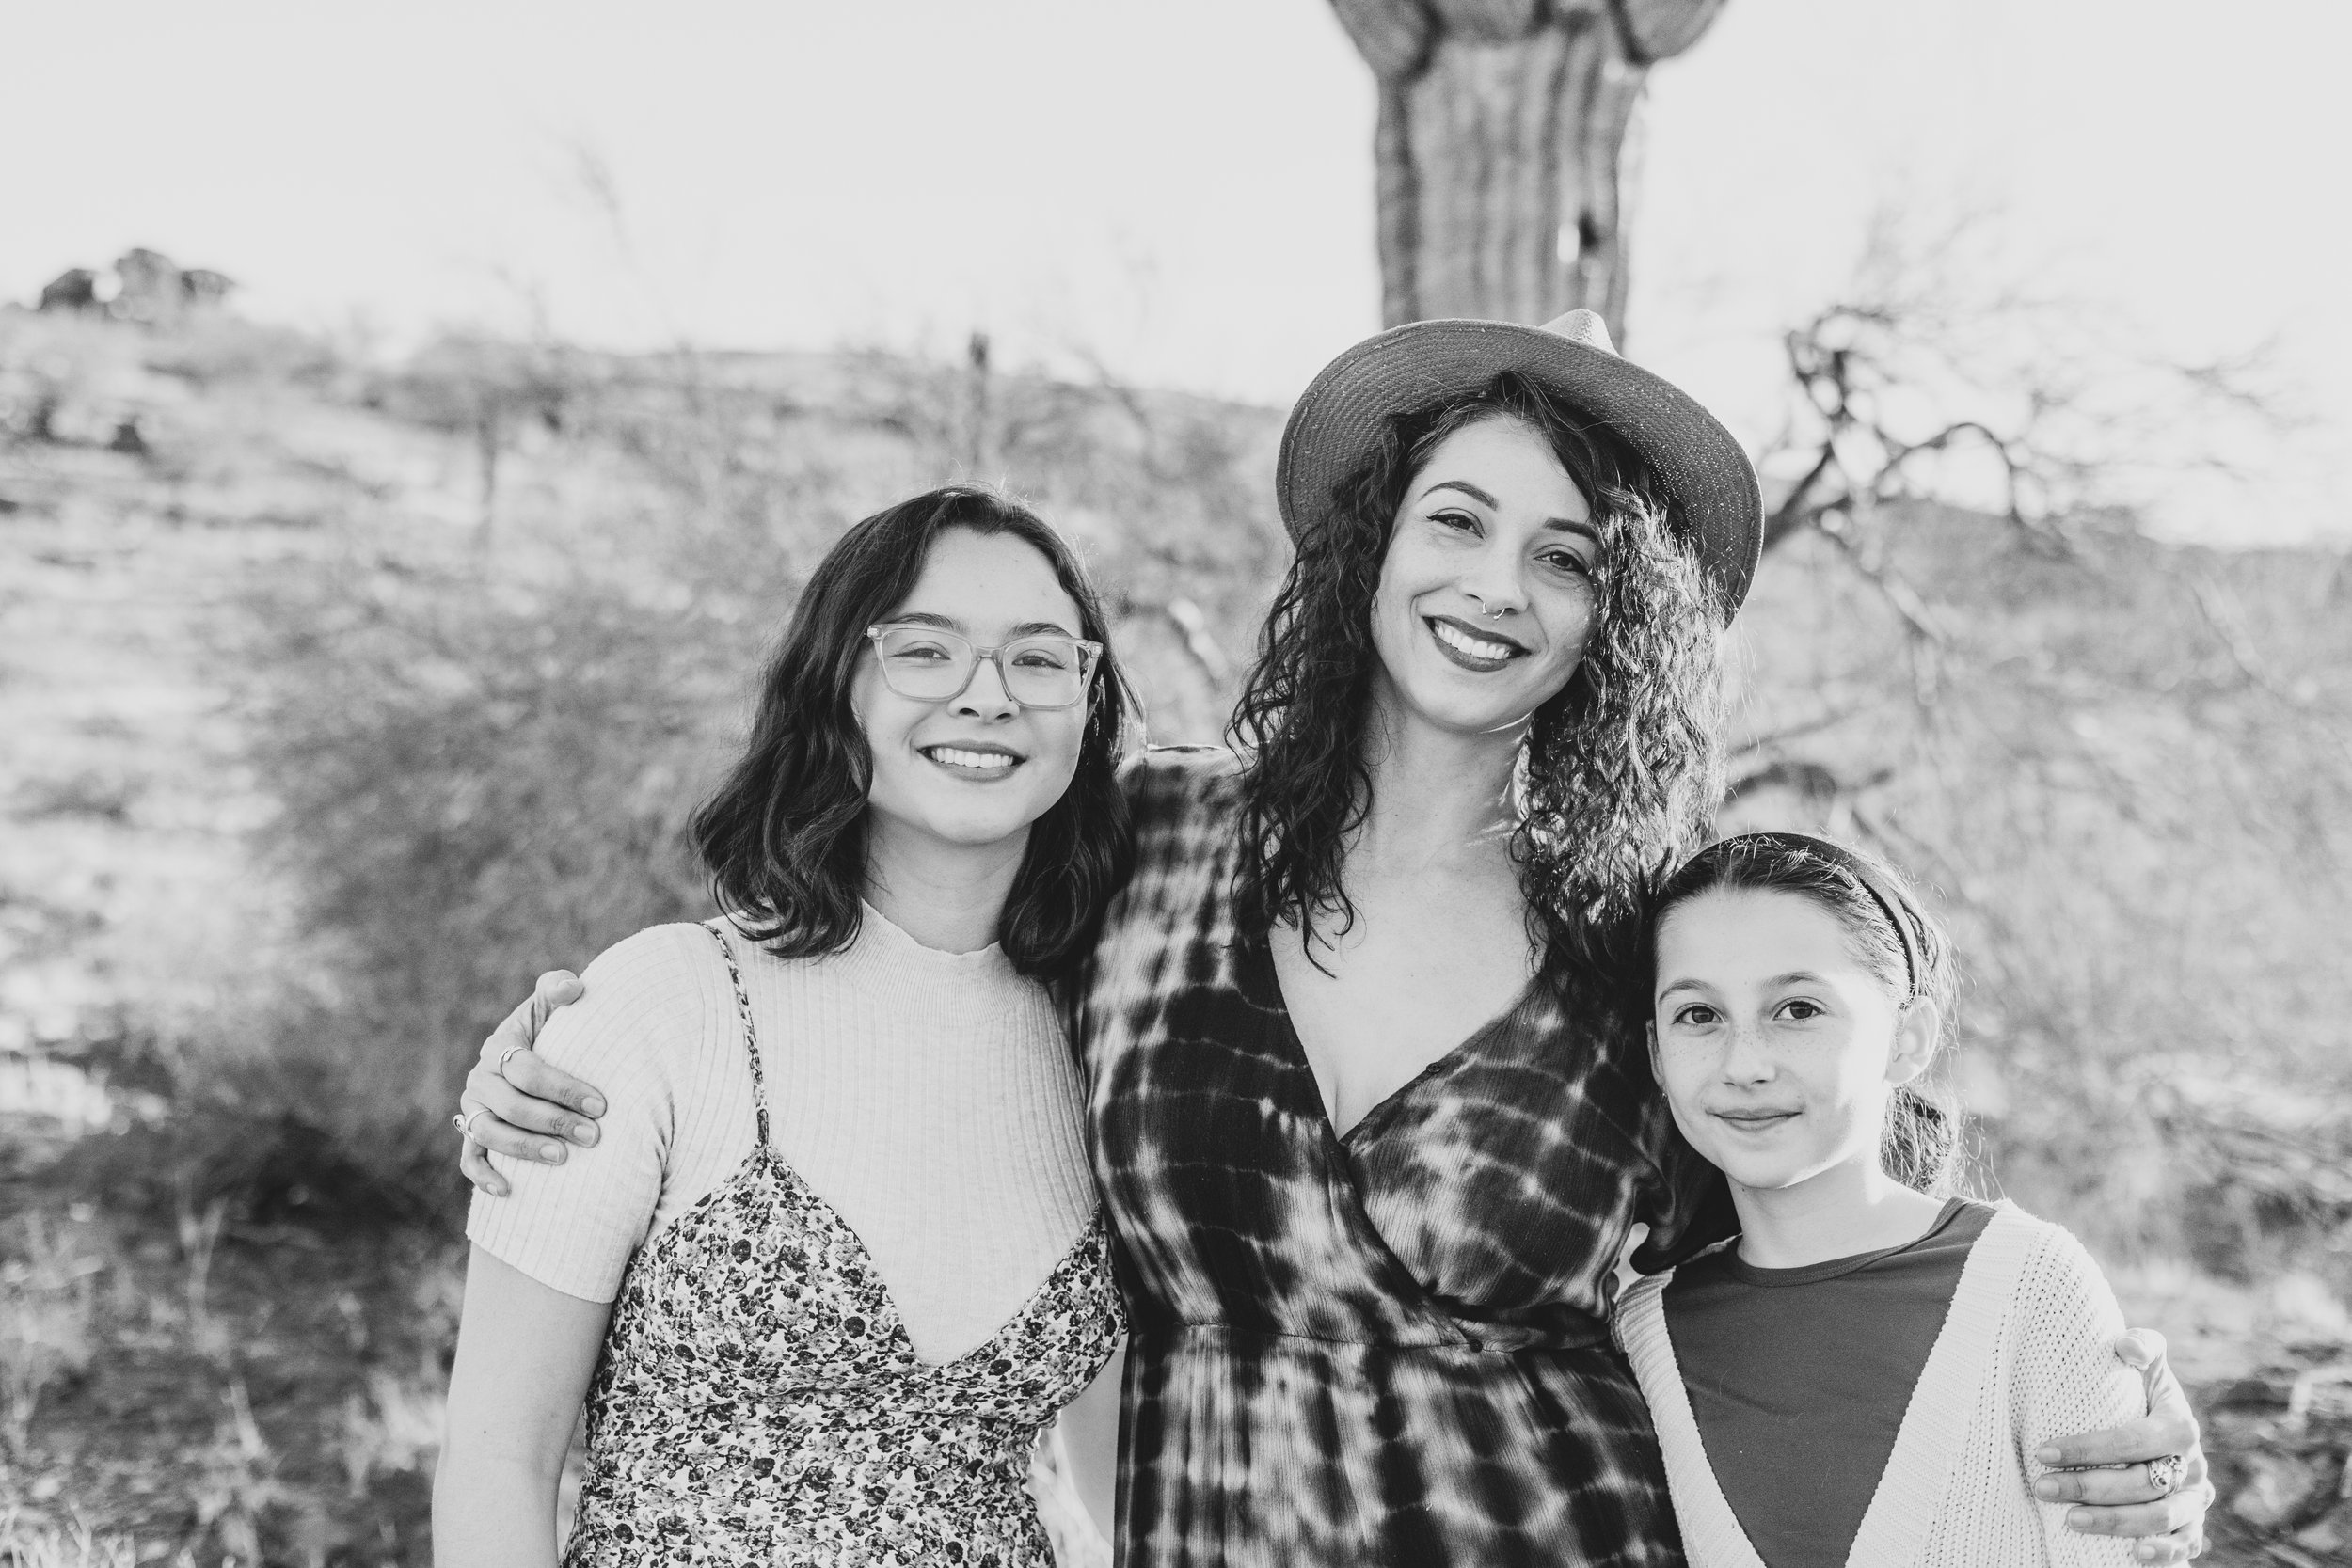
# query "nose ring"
(1490, 614)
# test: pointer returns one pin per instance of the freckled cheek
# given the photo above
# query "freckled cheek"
(1682, 1072)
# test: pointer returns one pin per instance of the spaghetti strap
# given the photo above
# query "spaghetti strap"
(750, 1036)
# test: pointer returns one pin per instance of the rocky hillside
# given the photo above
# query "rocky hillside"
(339, 696)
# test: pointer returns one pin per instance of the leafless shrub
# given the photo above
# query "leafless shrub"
(1970, 648)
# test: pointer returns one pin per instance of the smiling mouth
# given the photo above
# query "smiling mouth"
(974, 762)
(1470, 649)
(1755, 1121)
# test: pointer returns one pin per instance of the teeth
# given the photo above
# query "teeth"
(955, 756)
(1454, 637)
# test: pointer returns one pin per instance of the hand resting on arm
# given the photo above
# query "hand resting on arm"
(534, 1108)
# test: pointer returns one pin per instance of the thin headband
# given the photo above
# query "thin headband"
(1862, 874)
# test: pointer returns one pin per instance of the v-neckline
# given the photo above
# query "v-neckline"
(886, 1305)
(1903, 1502)
(1262, 984)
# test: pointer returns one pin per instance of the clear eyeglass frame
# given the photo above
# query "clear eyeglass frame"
(1015, 678)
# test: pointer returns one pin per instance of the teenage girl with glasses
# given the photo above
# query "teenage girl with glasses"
(839, 1257)
(1867, 1372)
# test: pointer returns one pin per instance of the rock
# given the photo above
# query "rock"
(144, 286)
(201, 289)
(151, 289)
(74, 289)
(2278, 1489)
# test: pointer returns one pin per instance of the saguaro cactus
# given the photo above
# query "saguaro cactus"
(1502, 124)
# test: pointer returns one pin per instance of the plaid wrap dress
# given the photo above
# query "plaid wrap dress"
(1388, 1348)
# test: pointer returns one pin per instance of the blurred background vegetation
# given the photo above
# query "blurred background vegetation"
(342, 691)
(351, 694)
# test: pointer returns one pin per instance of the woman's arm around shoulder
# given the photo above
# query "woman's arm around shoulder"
(654, 1006)
(525, 1353)
(2065, 1378)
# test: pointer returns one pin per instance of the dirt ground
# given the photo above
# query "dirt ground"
(190, 1391)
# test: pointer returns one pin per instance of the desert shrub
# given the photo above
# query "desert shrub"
(2136, 813)
(476, 782)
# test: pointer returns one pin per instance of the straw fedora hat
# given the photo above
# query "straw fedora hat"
(1344, 412)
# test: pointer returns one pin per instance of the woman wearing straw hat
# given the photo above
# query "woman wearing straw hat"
(1372, 1126)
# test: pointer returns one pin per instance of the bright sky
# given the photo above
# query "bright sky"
(1182, 194)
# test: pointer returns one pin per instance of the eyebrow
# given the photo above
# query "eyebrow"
(948, 623)
(1794, 978)
(1567, 525)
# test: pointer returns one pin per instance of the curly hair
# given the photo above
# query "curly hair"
(1919, 1145)
(784, 836)
(1620, 768)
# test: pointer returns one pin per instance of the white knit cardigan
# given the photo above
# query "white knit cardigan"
(2027, 1354)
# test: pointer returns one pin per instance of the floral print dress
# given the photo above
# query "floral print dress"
(759, 1402)
(1390, 1347)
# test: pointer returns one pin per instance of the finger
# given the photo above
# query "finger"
(517, 1029)
(2167, 1398)
(520, 1027)
(2148, 1437)
(475, 1163)
(518, 1143)
(2158, 1518)
(531, 1074)
(492, 1091)
(2145, 1349)
(525, 1113)
(557, 987)
(2105, 1488)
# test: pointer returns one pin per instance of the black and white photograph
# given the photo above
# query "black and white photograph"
(1272, 784)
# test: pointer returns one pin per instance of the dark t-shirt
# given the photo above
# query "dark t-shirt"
(1799, 1378)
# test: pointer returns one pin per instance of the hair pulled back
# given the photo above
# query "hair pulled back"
(1920, 1144)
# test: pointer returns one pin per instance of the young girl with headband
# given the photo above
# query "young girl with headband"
(1866, 1373)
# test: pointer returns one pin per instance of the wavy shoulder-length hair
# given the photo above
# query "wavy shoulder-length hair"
(784, 836)
(1620, 768)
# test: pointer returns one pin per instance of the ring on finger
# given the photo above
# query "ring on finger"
(506, 1055)
(463, 1121)
(2165, 1474)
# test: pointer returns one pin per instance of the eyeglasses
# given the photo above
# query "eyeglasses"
(934, 665)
